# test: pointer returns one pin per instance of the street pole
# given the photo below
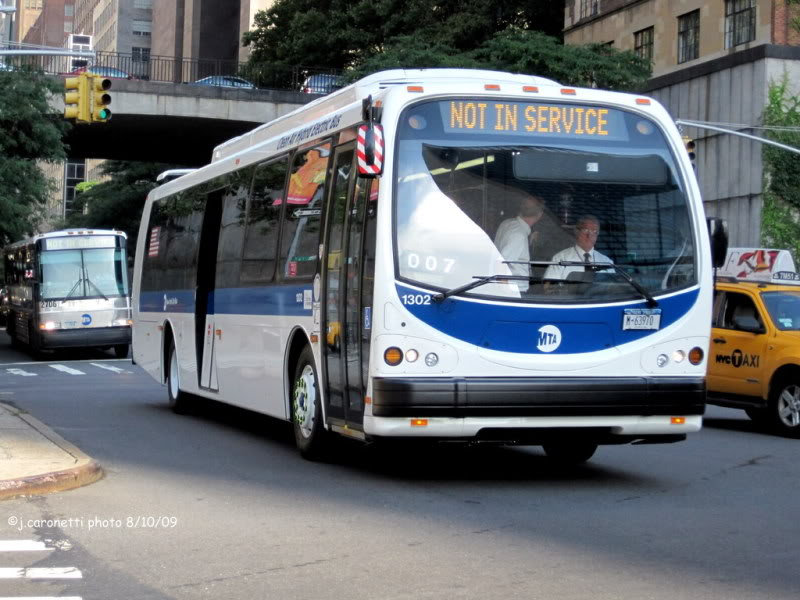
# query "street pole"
(8, 11)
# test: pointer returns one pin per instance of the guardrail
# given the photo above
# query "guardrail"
(171, 69)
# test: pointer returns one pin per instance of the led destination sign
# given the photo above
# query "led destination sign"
(535, 119)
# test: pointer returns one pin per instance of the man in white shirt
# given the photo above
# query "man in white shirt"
(513, 237)
(586, 231)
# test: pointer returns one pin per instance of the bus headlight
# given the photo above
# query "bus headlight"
(431, 359)
(678, 356)
(122, 322)
(50, 325)
(662, 360)
(412, 355)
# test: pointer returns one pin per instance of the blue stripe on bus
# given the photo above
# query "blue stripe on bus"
(519, 328)
(278, 300)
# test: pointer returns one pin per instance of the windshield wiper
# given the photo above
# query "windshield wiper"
(595, 266)
(99, 291)
(74, 287)
(479, 281)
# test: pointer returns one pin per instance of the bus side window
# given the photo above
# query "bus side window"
(300, 236)
(261, 235)
(231, 234)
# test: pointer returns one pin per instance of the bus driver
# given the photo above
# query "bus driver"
(586, 231)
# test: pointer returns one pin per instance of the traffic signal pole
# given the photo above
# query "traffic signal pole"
(700, 125)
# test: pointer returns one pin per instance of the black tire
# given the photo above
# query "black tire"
(306, 404)
(570, 453)
(783, 410)
(178, 399)
(121, 350)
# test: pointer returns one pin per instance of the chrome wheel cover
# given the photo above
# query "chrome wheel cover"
(174, 381)
(304, 401)
(789, 406)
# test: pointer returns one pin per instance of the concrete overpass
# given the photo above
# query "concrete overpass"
(176, 123)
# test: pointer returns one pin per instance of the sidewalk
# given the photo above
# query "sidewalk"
(34, 459)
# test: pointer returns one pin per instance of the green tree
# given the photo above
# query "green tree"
(780, 216)
(118, 202)
(344, 33)
(29, 132)
(519, 51)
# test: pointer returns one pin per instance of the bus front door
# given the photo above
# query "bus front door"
(347, 305)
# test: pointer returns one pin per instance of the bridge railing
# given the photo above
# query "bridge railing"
(171, 69)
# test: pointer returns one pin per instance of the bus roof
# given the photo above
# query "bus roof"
(373, 85)
(67, 233)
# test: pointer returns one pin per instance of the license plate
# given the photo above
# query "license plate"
(641, 318)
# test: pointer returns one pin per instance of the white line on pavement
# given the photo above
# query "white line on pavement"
(109, 368)
(21, 546)
(67, 369)
(40, 573)
(21, 372)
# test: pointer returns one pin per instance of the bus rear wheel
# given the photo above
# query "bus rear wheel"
(309, 431)
(178, 400)
(570, 453)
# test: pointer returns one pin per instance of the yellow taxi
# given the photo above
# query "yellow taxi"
(754, 358)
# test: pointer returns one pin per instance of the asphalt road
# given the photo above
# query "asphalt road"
(220, 505)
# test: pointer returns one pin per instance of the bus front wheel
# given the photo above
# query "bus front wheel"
(309, 431)
(178, 400)
(570, 453)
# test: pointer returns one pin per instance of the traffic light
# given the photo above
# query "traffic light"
(689, 144)
(100, 99)
(76, 98)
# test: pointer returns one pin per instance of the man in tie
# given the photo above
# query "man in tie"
(586, 231)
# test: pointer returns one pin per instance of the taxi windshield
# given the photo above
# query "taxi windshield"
(574, 203)
(784, 309)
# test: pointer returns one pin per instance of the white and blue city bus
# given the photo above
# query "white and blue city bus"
(337, 268)
(69, 289)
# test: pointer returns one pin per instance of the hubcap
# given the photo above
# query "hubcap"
(789, 406)
(304, 400)
(173, 376)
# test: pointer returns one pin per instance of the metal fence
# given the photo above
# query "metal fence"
(171, 69)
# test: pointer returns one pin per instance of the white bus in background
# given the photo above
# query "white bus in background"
(69, 289)
(337, 268)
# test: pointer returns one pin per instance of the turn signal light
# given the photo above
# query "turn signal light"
(393, 356)
(419, 422)
(696, 355)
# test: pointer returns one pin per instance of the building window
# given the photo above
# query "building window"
(140, 54)
(142, 28)
(688, 36)
(589, 8)
(144, 4)
(69, 10)
(643, 43)
(740, 22)
(74, 173)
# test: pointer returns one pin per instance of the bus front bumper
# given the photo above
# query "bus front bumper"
(609, 409)
(84, 338)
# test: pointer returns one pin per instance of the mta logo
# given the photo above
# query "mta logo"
(86, 319)
(549, 338)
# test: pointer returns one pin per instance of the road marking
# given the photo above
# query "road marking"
(21, 546)
(109, 368)
(40, 573)
(41, 598)
(21, 372)
(67, 369)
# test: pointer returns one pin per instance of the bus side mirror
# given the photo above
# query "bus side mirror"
(718, 234)
(369, 150)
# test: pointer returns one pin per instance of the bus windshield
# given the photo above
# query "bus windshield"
(87, 273)
(573, 203)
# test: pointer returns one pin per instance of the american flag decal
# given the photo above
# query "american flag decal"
(155, 234)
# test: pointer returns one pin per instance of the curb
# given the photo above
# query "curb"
(85, 471)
